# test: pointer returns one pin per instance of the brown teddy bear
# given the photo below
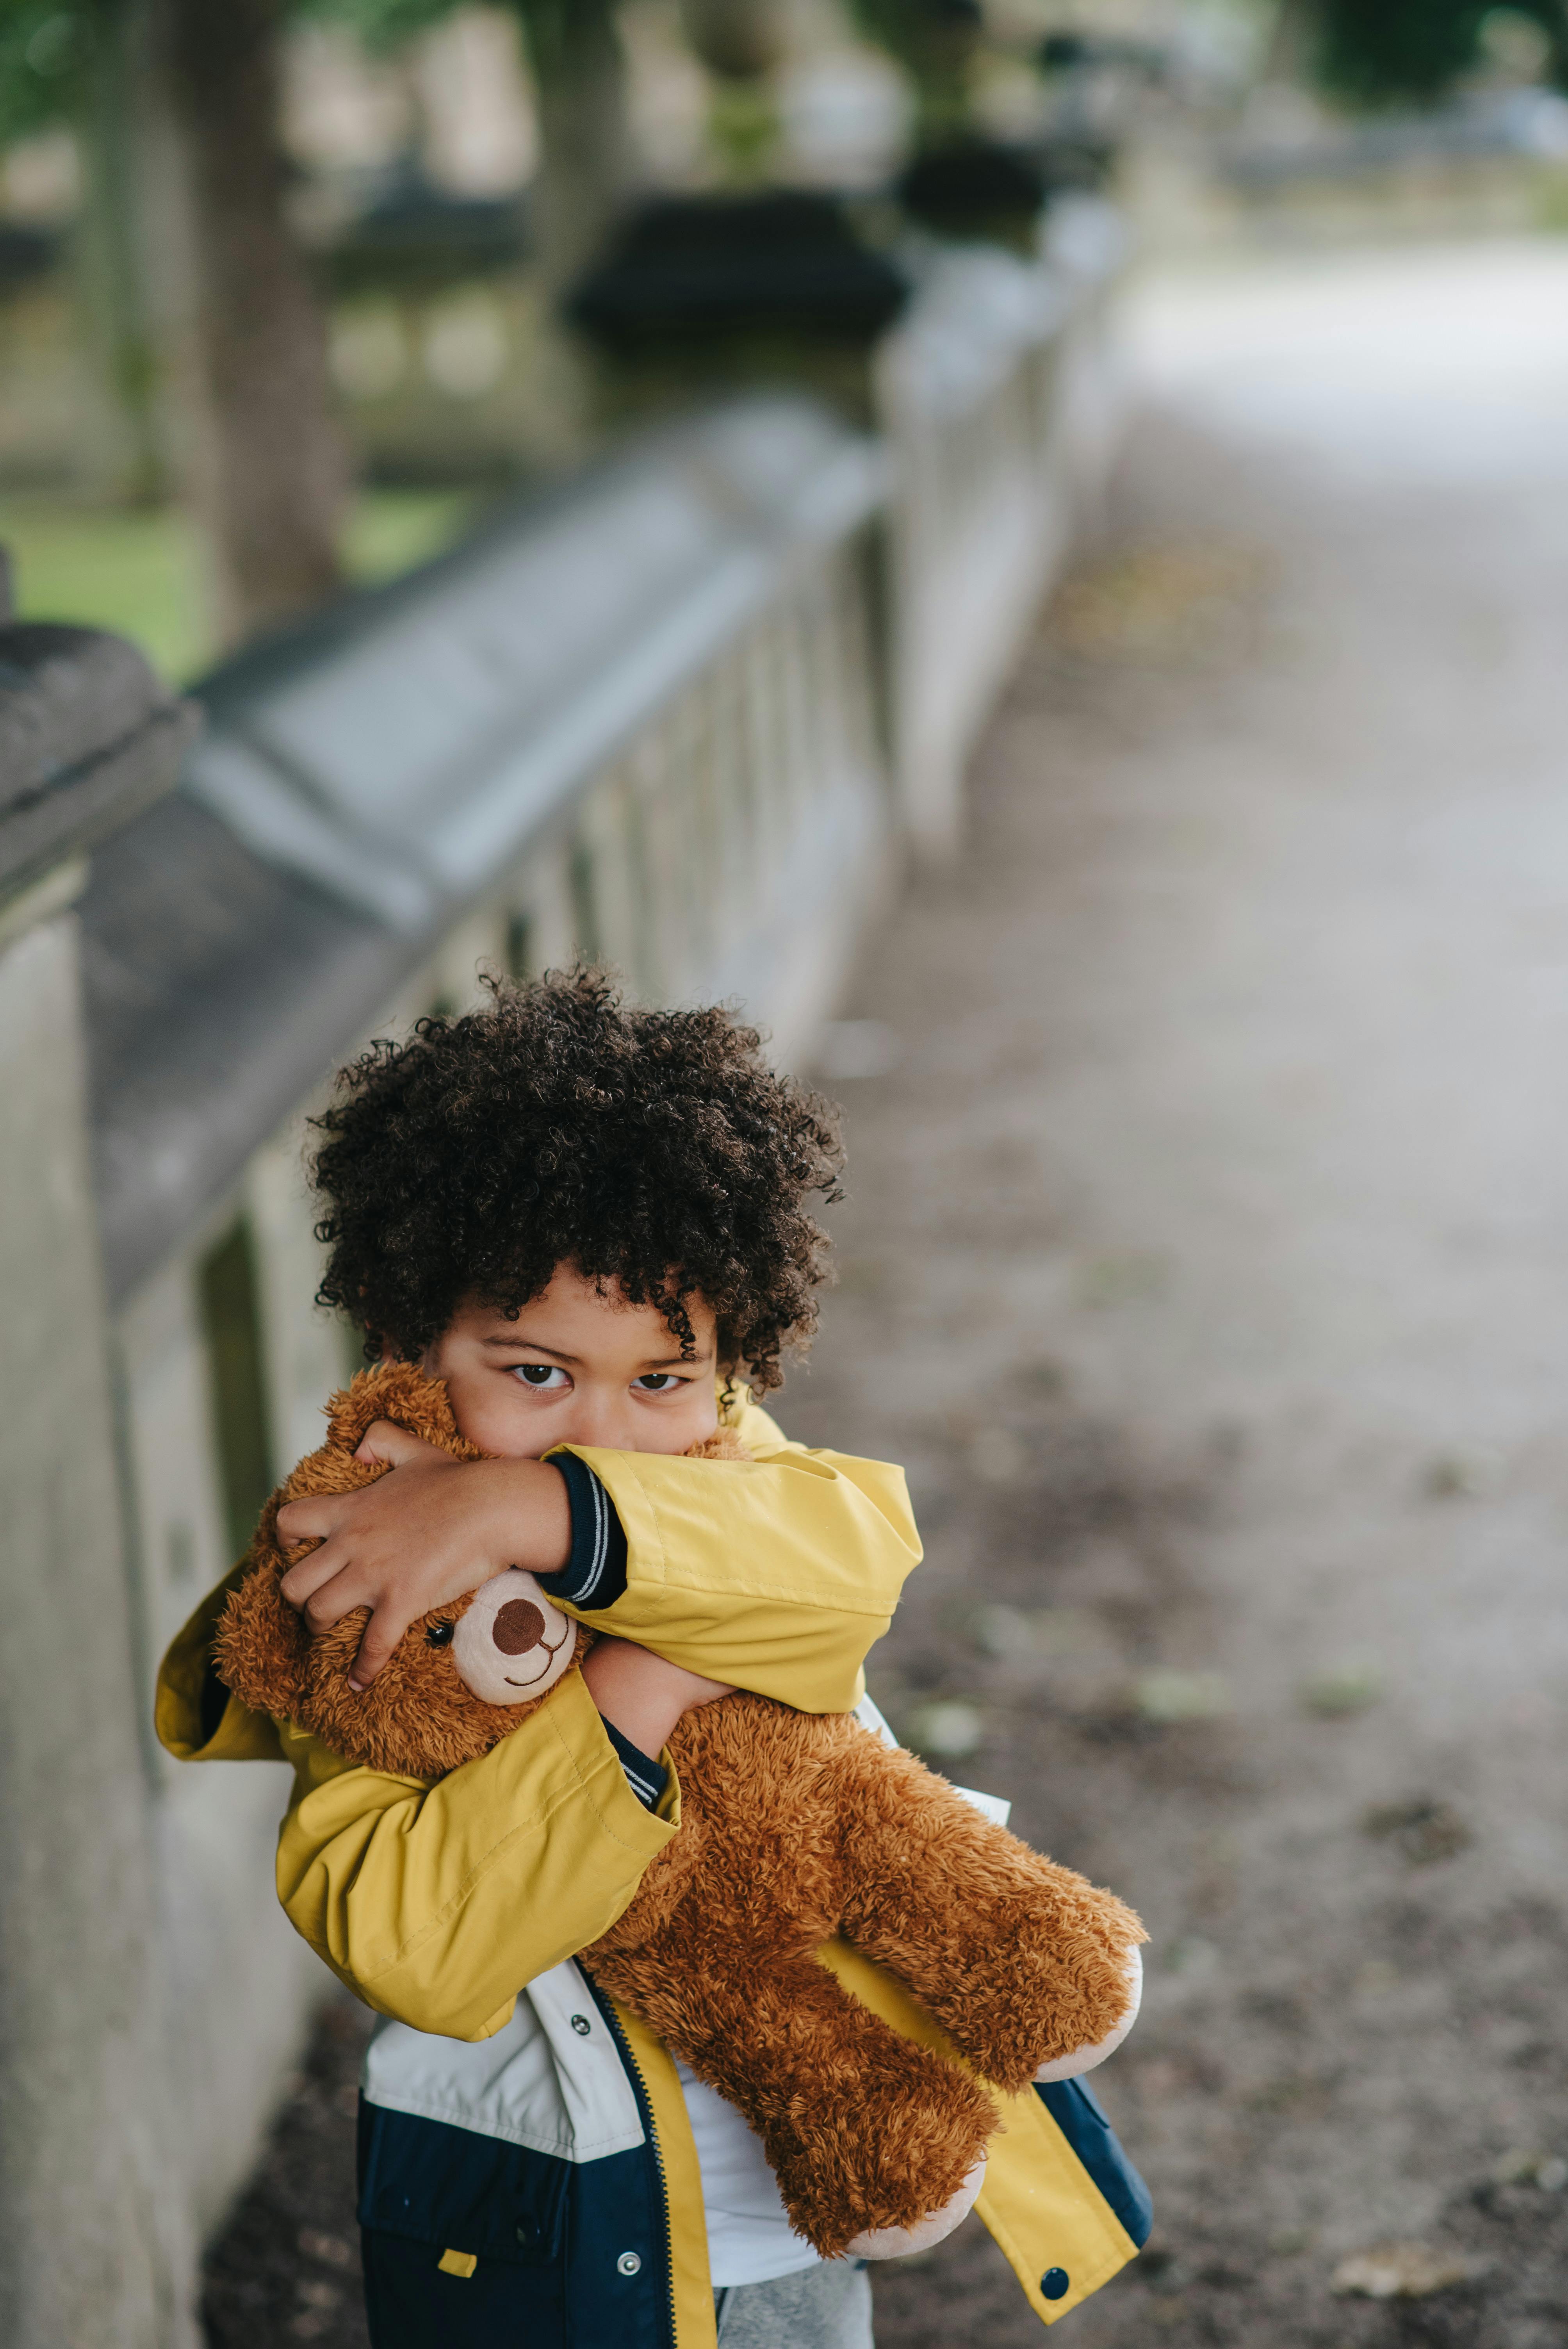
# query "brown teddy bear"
(795, 1828)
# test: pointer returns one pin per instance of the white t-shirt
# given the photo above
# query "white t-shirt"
(749, 2238)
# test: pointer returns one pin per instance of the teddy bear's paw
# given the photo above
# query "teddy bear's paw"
(897, 2242)
(512, 1643)
(1084, 2059)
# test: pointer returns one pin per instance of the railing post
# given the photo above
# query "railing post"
(995, 395)
(93, 2248)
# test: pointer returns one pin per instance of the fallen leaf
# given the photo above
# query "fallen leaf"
(1003, 1631)
(1346, 1688)
(1521, 2166)
(1424, 1829)
(1464, 1474)
(1162, 602)
(1167, 1695)
(950, 1729)
(333, 2250)
(1190, 1954)
(1120, 1278)
(1401, 2271)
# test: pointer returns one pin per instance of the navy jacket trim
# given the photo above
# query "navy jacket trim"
(1078, 2114)
(645, 1778)
(595, 1573)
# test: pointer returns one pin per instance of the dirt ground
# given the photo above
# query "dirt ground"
(1205, 1262)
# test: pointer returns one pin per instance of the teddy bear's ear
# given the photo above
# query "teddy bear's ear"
(262, 1645)
(395, 1390)
(722, 1444)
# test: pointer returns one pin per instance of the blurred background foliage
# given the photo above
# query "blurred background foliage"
(290, 288)
(1395, 51)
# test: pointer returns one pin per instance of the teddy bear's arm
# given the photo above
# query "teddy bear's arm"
(1021, 1960)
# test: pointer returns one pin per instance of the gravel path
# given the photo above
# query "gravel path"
(1205, 1261)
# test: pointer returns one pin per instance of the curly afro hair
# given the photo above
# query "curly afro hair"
(557, 1125)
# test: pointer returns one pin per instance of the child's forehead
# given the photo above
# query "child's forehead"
(592, 1308)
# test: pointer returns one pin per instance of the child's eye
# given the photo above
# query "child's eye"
(545, 1378)
(658, 1382)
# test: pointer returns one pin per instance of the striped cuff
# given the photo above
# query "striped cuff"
(595, 1573)
(645, 1778)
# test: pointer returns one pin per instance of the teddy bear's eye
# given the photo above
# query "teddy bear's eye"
(439, 1635)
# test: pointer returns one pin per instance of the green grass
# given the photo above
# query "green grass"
(140, 573)
(390, 531)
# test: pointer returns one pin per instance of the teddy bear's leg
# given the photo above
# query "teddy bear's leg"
(863, 2129)
(1084, 2059)
(898, 2242)
(1022, 1962)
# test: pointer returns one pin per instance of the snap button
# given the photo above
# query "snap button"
(629, 2263)
(580, 2025)
(1054, 2283)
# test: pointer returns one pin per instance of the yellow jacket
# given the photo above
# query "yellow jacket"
(434, 1903)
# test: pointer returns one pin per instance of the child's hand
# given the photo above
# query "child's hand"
(643, 1694)
(430, 1529)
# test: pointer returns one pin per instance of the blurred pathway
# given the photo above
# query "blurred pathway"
(1207, 1259)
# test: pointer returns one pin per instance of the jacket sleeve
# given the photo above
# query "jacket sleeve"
(194, 1715)
(436, 1903)
(778, 1573)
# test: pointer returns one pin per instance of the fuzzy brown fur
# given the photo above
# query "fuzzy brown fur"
(795, 1828)
(417, 1717)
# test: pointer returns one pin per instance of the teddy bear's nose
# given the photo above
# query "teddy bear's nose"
(517, 1627)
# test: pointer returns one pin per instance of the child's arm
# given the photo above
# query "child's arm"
(776, 1572)
(435, 1903)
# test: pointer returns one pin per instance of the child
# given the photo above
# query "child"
(585, 1219)
(588, 1221)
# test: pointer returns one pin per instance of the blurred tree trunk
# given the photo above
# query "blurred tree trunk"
(587, 161)
(936, 42)
(1286, 52)
(740, 39)
(111, 259)
(265, 466)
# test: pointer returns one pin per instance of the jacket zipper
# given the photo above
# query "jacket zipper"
(645, 2105)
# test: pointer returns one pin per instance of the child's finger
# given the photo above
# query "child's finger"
(308, 1575)
(382, 1633)
(310, 1519)
(392, 1446)
(339, 1597)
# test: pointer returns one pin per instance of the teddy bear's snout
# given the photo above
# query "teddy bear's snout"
(516, 1628)
(512, 1644)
